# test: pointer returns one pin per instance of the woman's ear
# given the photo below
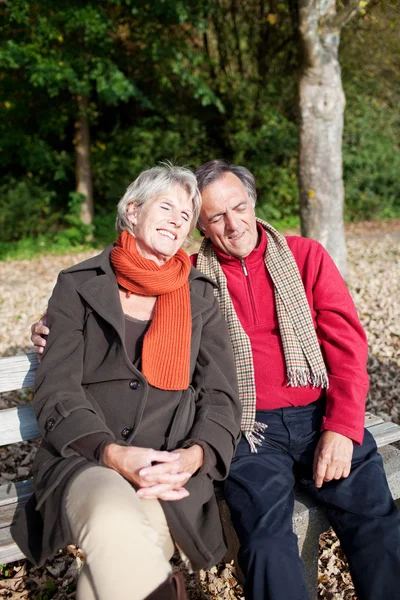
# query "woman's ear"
(131, 213)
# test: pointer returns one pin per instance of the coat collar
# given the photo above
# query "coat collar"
(101, 291)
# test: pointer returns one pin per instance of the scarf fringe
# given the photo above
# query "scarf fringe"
(255, 437)
(304, 378)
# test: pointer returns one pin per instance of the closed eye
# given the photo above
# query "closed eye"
(215, 219)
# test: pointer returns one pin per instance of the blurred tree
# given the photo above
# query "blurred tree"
(322, 105)
(68, 51)
(96, 93)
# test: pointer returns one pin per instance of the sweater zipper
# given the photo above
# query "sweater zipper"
(253, 305)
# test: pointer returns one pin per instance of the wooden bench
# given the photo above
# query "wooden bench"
(18, 424)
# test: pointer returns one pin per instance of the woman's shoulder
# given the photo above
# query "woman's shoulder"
(99, 261)
(197, 278)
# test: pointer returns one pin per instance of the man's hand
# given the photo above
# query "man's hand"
(332, 458)
(129, 461)
(38, 330)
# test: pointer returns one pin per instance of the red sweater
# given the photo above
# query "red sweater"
(340, 334)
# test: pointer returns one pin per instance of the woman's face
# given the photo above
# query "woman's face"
(162, 224)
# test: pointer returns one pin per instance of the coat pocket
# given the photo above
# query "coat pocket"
(183, 419)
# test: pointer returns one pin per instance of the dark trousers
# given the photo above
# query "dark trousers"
(259, 493)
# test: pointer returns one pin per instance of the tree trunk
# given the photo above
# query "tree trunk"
(83, 169)
(322, 104)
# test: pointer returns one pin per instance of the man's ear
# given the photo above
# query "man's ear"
(131, 213)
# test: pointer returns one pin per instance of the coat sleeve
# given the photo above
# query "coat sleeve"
(218, 409)
(345, 349)
(64, 413)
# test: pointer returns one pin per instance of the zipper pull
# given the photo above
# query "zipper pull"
(244, 267)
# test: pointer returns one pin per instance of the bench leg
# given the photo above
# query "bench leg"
(309, 556)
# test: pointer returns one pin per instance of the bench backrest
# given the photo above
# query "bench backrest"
(17, 424)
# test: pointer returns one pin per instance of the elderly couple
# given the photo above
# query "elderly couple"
(140, 408)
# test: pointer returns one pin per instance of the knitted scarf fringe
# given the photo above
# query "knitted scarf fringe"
(304, 377)
(255, 436)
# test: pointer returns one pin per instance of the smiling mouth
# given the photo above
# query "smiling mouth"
(236, 237)
(166, 233)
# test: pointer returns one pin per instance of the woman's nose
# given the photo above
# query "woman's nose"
(176, 218)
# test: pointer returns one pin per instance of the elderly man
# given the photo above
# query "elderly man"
(301, 357)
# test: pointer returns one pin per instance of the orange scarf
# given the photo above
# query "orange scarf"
(166, 345)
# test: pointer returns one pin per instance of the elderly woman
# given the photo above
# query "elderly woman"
(136, 400)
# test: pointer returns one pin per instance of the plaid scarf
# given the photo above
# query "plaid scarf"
(304, 363)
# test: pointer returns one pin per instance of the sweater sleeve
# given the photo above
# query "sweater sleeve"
(345, 349)
(193, 259)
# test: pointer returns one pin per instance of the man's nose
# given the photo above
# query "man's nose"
(231, 222)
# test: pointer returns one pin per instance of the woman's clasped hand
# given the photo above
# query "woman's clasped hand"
(157, 474)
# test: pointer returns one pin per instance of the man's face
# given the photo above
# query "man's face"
(228, 217)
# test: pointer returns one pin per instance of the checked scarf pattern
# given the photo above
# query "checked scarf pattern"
(304, 363)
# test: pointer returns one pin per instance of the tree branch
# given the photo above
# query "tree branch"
(308, 29)
(344, 15)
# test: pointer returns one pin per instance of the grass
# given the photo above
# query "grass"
(29, 248)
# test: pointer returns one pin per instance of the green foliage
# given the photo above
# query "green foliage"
(26, 210)
(181, 81)
(371, 151)
(371, 160)
(77, 232)
(270, 153)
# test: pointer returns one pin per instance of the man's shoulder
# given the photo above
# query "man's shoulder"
(298, 243)
(309, 255)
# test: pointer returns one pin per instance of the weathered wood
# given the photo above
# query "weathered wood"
(18, 424)
(13, 496)
(18, 372)
(9, 551)
(371, 419)
(385, 433)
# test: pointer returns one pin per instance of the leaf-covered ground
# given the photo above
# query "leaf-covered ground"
(374, 282)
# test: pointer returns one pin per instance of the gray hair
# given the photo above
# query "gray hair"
(213, 170)
(153, 182)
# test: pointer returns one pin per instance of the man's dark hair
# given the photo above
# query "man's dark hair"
(213, 170)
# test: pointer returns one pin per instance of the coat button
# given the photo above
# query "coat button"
(125, 432)
(50, 424)
(134, 384)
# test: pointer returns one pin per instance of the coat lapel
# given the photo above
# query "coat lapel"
(101, 293)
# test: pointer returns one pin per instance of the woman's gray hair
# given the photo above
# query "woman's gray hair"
(153, 182)
(213, 170)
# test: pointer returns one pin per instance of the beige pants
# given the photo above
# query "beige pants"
(126, 540)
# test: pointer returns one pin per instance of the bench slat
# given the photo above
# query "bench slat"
(18, 372)
(18, 424)
(385, 433)
(9, 551)
(12, 497)
(371, 420)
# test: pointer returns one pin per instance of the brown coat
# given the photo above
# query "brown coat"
(86, 384)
